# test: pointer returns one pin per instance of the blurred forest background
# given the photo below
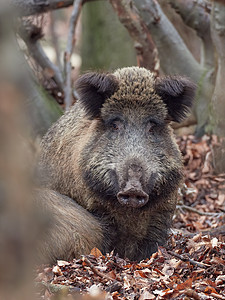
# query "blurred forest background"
(46, 44)
(57, 40)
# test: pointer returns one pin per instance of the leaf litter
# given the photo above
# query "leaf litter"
(190, 266)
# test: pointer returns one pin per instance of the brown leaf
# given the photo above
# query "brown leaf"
(184, 285)
(140, 273)
(209, 290)
(96, 252)
(112, 274)
(158, 271)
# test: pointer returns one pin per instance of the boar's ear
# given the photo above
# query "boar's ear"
(93, 89)
(177, 93)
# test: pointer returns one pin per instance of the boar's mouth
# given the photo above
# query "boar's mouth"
(133, 197)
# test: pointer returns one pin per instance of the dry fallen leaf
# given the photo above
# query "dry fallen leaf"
(198, 267)
(96, 252)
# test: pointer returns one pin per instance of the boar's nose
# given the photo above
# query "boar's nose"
(134, 172)
(133, 197)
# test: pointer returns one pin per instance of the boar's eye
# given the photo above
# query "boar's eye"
(115, 125)
(151, 125)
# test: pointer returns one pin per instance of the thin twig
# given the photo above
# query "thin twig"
(77, 5)
(212, 232)
(193, 262)
(201, 213)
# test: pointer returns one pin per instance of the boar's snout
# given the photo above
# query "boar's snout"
(133, 197)
(132, 194)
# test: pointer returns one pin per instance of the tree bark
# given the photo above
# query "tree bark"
(217, 124)
(143, 43)
(37, 53)
(187, 34)
(68, 53)
(106, 44)
(32, 7)
(218, 34)
(196, 14)
(42, 110)
(175, 57)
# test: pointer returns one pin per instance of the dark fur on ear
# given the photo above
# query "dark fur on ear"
(178, 93)
(94, 89)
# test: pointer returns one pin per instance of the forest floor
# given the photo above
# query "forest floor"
(190, 266)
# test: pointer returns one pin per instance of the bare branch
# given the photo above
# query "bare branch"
(196, 14)
(174, 55)
(38, 54)
(69, 49)
(201, 213)
(212, 232)
(32, 7)
(144, 45)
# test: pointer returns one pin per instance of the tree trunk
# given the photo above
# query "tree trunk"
(147, 54)
(175, 57)
(217, 124)
(106, 45)
(32, 7)
(42, 110)
(218, 34)
(196, 15)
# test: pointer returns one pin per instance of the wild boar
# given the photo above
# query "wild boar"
(111, 167)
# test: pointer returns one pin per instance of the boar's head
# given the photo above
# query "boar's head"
(132, 158)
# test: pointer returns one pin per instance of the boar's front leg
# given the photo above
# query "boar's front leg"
(146, 249)
(70, 229)
(160, 223)
(157, 232)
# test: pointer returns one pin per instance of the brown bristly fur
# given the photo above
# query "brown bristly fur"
(88, 161)
(71, 230)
